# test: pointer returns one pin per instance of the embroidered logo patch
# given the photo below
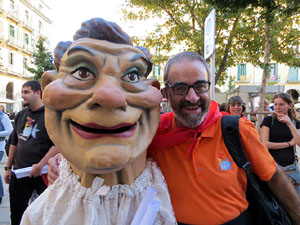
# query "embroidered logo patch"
(224, 163)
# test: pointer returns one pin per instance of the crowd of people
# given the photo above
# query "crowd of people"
(205, 185)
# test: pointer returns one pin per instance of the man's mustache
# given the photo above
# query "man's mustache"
(186, 103)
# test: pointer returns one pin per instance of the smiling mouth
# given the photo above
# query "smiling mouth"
(94, 131)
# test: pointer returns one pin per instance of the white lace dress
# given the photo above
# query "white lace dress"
(67, 202)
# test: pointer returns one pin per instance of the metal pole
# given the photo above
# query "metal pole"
(212, 79)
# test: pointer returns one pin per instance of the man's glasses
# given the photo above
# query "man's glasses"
(181, 88)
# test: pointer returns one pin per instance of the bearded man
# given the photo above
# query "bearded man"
(205, 184)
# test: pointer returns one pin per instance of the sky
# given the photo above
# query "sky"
(67, 16)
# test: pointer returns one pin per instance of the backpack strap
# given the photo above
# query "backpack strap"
(231, 135)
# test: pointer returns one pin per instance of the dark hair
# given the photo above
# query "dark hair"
(98, 28)
(34, 84)
(292, 113)
(235, 99)
(223, 107)
(184, 56)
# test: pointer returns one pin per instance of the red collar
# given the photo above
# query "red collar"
(165, 137)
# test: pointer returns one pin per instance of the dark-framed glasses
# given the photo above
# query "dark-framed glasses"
(181, 88)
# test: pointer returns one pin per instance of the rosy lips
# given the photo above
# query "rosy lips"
(94, 131)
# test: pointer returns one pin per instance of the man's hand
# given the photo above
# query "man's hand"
(7, 176)
(53, 170)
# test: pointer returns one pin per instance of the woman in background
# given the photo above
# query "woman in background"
(281, 133)
(235, 107)
(5, 130)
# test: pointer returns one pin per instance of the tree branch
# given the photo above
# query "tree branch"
(227, 49)
(170, 14)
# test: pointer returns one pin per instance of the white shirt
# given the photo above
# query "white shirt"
(7, 130)
(67, 202)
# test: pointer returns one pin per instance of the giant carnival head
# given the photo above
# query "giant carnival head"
(101, 111)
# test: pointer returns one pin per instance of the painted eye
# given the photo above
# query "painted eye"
(83, 74)
(131, 77)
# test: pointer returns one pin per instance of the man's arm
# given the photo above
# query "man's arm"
(37, 168)
(9, 163)
(53, 168)
(286, 194)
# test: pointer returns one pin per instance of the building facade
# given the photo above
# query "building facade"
(280, 74)
(22, 24)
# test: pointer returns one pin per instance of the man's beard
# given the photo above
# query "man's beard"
(25, 104)
(191, 120)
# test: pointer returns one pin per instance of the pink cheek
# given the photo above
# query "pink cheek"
(59, 97)
(149, 98)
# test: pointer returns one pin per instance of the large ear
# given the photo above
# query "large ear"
(153, 82)
(48, 77)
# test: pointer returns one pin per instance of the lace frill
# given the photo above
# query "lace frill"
(67, 202)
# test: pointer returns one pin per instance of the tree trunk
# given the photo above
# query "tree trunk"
(265, 73)
(227, 49)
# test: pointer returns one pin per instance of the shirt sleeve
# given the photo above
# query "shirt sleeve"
(267, 121)
(7, 126)
(263, 164)
(14, 139)
(297, 124)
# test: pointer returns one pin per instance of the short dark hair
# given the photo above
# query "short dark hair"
(192, 56)
(236, 99)
(34, 84)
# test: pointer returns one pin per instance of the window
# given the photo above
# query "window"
(11, 31)
(40, 26)
(12, 5)
(26, 39)
(11, 58)
(26, 16)
(241, 73)
(273, 72)
(293, 74)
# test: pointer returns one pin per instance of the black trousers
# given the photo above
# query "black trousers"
(20, 191)
(242, 219)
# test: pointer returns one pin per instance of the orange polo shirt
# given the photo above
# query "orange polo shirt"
(207, 187)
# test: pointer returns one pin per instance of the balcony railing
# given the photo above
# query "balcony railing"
(13, 41)
(27, 48)
(13, 14)
(28, 25)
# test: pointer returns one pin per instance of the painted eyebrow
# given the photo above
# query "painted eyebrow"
(80, 48)
(137, 56)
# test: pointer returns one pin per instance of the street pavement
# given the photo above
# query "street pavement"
(4, 207)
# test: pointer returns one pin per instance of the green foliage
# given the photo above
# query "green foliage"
(181, 25)
(42, 59)
(240, 29)
(231, 85)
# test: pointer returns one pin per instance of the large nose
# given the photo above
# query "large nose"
(192, 96)
(108, 96)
